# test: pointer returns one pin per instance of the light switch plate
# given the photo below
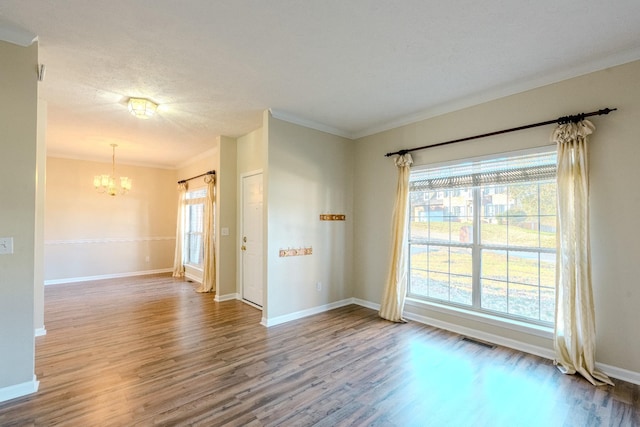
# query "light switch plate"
(6, 245)
(224, 231)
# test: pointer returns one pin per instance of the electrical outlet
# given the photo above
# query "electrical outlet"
(6, 245)
(224, 231)
(319, 286)
(147, 259)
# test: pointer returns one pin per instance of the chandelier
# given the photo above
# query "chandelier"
(107, 183)
(142, 108)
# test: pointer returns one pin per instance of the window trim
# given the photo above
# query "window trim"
(475, 311)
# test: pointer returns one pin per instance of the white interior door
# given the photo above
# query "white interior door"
(251, 238)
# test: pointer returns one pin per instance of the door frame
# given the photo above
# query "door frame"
(241, 233)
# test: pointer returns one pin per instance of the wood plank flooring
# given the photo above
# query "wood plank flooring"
(152, 351)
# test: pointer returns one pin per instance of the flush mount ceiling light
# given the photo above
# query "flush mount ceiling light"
(142, 108)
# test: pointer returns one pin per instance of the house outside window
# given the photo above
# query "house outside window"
(498, 258)
(194, 227)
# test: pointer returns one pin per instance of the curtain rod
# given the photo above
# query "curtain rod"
(197, 176)
(561, 120)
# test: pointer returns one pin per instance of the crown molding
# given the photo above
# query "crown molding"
(291, 118)
(11, 33)
(618, 58)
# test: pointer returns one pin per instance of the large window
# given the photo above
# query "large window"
(194, 226)
(482, 236)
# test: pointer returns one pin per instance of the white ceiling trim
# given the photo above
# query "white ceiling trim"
(291, 118)
(11, 33)
(94, 159)
(618, 58)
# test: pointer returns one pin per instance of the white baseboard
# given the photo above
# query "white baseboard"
(612, 371)
(367, 304)
(304, 313)
(40, 332)
(483, 336)
(619, 373)
(19, 390)
(106, 276)
(227, 297)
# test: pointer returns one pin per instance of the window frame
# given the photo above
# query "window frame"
(476, 246)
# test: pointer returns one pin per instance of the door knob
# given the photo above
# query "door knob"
(243, 247)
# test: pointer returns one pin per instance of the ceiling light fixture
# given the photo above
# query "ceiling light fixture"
(107, 183)
(142, 108)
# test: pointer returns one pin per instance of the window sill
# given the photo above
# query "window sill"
(514, 325)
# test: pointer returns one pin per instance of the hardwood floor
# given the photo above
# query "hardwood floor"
(150, 350)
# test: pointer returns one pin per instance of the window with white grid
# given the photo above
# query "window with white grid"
(482, 236)
(194, 227)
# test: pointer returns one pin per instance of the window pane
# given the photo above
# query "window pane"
(494, 233)
(523, 200)
(524, 300)
(439, 286)
(419, 228)
(493, 295)
(460, 261)
(548, 198)
(461, 289)
(494, 265)
(194, 249)
(418, 278)
(523, 267)
(548, 270)
(522, 232)
(547, 304)
(439, 259)
(548, 231)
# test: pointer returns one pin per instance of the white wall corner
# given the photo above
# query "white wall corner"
(19, 390)
(367, 304)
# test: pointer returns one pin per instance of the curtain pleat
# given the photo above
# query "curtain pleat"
(575, 335)
(396, 286)
(178, 259)
(209, 257)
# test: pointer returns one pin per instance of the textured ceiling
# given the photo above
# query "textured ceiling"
(351, 67)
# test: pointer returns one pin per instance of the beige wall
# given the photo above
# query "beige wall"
(226, 281)
(41, 171)
(614, 153)
(251, 152)
(309, 173)
(88, 234)
(18, 139)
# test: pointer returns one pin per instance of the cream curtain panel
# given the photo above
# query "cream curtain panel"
(178, 266)
(574, 339)
(396, 285)
(208, 237)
